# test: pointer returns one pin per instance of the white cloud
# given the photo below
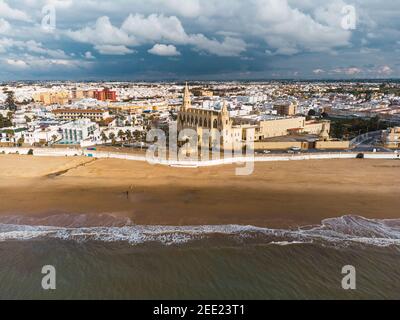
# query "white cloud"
(4, 26)
(187, 8)
(89, 55)
(38, 48)
(9, 13)
(155, 28)
(318, 71)
(103, 33)
(229, 47)
(289, 31)
(374, 71)
(216, 27)
(19, 64)
(42, 64)
(164, 50)
(348, 71)
(30, 46)
(31, 55)
(385, 70)
(352, 71)
(113, 50)
(139, 30)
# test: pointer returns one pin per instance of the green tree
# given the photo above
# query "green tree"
(10, 101)
(54, 138)
(5, 122)
(112, 138)
(104, 137)
(338, 130)
(311, 113)
(10, 134)
(121, 134)
(128, 135)
(137, 135)
(20, 141)
(374, 123)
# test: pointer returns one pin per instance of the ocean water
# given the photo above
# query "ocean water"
(115, 259)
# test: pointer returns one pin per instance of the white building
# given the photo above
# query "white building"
(12, 134)
(79, 131)
(43, 135)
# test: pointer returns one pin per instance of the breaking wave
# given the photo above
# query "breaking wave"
(343, 231)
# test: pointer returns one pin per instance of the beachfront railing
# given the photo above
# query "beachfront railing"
(366, 136)
(49, 152)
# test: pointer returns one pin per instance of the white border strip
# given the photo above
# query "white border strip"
(47, 152)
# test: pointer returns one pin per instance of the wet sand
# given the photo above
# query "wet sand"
(276, 195)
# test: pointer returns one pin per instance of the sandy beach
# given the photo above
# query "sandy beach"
(278, 194)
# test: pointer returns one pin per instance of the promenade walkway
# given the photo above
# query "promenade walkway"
(49, 152)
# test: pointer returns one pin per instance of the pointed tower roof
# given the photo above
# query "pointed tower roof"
(187, 103)
(186, 88)
(224, 108)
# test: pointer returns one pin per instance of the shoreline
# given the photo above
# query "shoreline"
(276, 195)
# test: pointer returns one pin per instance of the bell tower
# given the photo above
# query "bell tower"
(224, 115)
(324, 135)
(187, 103)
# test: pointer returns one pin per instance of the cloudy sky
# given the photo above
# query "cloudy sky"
(199, 39)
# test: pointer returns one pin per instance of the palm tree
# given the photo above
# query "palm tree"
(104, 137)
(137, 135)
(128, 135)
(11, 135)
(121, 135)
(20, 141)
(112, 138)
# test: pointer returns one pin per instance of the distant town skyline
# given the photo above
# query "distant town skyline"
(199, 40)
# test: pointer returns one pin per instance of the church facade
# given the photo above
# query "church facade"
(214, 128)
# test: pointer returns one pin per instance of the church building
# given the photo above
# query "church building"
(214, 128)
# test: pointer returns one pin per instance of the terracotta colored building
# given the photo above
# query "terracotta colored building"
(105, 95)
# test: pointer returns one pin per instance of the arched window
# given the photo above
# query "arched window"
(215, 124)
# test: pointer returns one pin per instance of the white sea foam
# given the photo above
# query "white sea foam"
(346, 230)
(286, 243)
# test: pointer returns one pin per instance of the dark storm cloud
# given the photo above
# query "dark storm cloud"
(205, 39)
